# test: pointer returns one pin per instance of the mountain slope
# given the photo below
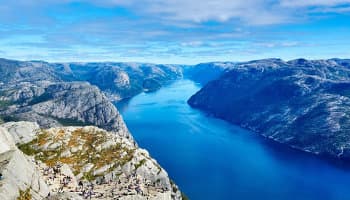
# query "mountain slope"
(112, 164)
(125, 80)
(57, 104)
(205, 72)
(20, 177)
(302, 103)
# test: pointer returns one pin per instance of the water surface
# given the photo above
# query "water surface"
(211, 159)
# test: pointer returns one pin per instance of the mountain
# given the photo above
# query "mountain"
(56, 94)
(205, 72)
(116, 80)
(61, 104)
(112, 164)
(302, 103)
(56, 97)
(125, 80)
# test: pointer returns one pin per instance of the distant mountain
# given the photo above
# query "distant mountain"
(205, 72)
(12, 71)
(125, 80)
(56, 94)
(302, 103)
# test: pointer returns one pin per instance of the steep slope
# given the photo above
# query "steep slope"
(112, 164)
(117, 80)
(20, 177)
(57, 104)
(125, 80)
(305, 104)
(205, 72)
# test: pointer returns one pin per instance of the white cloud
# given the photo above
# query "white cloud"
(306, 3)
(251, 12)
(257, 12)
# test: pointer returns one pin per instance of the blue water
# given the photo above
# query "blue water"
(211, 159)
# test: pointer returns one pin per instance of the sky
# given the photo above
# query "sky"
(173, 31)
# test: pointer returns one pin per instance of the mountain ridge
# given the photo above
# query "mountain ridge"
(301, 103)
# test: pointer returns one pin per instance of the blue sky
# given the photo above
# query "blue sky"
(173, 31)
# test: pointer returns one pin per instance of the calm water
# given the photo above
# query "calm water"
(210, 159)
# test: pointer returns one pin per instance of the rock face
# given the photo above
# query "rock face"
(302, 103)
(12, 71)
(116, 80)
(205, 72)
(20, 177)
(22, 132)
(63, 103)
(125, 80)
(112, 164)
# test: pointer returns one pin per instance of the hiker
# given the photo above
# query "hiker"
(81, 185)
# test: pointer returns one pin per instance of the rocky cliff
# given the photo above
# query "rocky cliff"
(302, 103)
(19, 176)
(61, 104)
(77, 163)
(125, 80)
(205, 72)
(116, 80)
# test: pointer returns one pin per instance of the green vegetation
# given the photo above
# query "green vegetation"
(24, 195)
(5, 104)
(89, 176)
(88, 141)
(140, 163)
(27, 149)
(42, 98)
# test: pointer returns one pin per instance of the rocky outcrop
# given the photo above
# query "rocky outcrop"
(112, 164)
(304, 104)
(22, 132)
(60, 104)
(19, 175)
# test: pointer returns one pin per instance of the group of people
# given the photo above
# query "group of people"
(113, 186)
(87, 192)
(54, 176)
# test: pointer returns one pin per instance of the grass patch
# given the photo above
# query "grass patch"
(88, 141)
(140, 163)
(24, 195)
(28, 149)
(89, 176)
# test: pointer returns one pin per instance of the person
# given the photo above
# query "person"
(0, 176)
